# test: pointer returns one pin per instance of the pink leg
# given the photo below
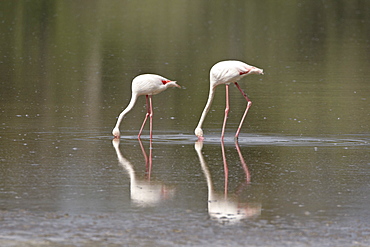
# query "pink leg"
(146, 116)
(151, 117)
(227, 109)
(249, 104)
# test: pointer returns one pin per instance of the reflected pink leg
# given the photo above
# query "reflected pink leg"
(245, 168)
(227, 109)
(150, 158)
(146, 116)
(249, 104)
(226, 169)
(144, 153)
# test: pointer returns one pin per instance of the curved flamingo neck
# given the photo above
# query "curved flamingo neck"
(208, 106)
(128, 108)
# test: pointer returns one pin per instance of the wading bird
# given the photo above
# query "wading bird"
(226, 72)
(148, 85)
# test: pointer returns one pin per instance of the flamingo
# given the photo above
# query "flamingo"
(226, 72)
(148, 85)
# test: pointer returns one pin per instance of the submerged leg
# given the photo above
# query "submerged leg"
(249, 104)
(227, 109)
(146, 116)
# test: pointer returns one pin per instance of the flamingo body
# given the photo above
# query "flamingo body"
(150, 84)
(146, 84)
(226, 72)
(230, 71)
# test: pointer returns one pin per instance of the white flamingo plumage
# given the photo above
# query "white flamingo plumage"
(146, 84)
(226, 72)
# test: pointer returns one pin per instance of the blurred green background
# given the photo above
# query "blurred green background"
(70, 63)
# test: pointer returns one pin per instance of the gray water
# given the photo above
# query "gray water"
(298, 176)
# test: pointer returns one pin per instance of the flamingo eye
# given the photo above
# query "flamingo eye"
(165, 82)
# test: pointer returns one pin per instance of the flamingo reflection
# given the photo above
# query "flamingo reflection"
(144, 192)
(223, 207)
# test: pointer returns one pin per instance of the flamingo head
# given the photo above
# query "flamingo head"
(172, 84)
(198, 145)
(115, 142)
(199, 132)
(256, 71)
(116, 133)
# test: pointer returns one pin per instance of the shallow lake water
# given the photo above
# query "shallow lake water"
(297, 176)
